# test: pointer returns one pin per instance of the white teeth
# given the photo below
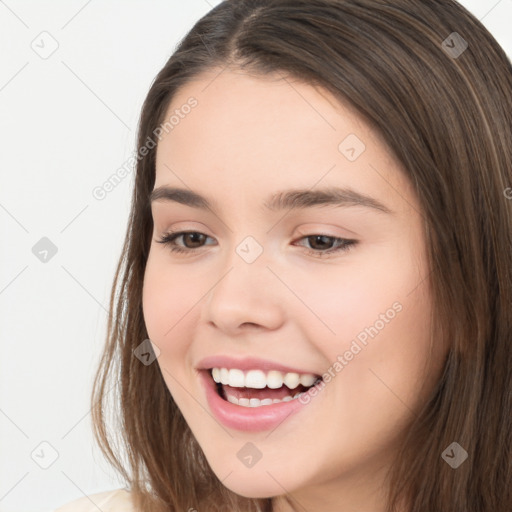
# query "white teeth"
(256, 402)
(274, 379)
(307, 380)
(258, 379)
(232, 399)
(254, 379)
(224, 376)
(292, 380)
(237, 378)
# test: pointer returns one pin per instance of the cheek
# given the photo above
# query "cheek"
(376, 316)
(363, 292)
(167, 299)
(384, 340)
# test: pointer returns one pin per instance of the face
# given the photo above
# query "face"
(270, 295)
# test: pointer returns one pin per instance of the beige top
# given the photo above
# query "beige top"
(108, 501)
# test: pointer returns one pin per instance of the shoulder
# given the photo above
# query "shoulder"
(108, 501)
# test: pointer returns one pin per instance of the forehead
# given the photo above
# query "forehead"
(249, 133)
(264, 107)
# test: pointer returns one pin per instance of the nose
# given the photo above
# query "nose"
(245, 296)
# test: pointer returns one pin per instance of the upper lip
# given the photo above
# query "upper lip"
(248, 363)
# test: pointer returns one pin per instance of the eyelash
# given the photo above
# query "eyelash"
(345, 244)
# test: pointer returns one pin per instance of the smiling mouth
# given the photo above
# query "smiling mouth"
(256, 388)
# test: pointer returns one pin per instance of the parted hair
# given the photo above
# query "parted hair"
(445, 112)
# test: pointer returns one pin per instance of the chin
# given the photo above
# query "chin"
(250, 486)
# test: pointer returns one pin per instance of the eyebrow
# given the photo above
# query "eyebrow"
(287, 199)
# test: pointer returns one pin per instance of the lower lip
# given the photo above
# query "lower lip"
(249, 419)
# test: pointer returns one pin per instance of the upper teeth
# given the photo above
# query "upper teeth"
(259, 379)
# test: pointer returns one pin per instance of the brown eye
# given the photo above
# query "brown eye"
(325, 245)
(320, 242)
(191, 240)
(194, 238)
(321, 245)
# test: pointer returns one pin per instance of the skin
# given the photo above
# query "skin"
(247, 138)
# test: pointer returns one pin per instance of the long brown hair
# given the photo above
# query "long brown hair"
(445, 111)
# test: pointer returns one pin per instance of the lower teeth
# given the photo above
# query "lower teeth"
(256, 402)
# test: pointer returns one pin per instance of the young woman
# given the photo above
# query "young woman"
(312, 311)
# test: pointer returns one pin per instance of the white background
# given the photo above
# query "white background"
(67, 123)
